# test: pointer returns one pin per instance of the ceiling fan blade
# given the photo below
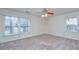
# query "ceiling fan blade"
(50, 13)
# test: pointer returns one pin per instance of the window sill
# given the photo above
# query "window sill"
(15, 34)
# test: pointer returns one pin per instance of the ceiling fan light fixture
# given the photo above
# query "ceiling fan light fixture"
(46, 12)
(44, 15)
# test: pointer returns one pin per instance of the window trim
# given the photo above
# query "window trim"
(18, 26)
(66, 25)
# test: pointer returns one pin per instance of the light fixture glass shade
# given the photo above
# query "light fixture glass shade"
(44, 15)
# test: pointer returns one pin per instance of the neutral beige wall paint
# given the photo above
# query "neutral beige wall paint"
(56, 25)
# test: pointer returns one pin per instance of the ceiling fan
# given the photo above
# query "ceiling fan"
(46, 12)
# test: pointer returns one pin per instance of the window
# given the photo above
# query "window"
(72, 25)
(15, 25)
(23, 25)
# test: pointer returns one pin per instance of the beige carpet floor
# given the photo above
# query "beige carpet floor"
(41, 42)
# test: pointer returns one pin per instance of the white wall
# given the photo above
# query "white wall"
(36, 26)
(56, 25)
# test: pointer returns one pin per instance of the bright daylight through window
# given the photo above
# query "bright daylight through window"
(72, 25)
(15, 25)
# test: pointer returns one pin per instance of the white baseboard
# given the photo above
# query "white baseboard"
(3, 40)
(29, 36)
(62, 36)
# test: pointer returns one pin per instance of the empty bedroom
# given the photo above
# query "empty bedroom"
(39, 28)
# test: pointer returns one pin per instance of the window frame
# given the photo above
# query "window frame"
(66, 24)
(18, 26)
(10, 25)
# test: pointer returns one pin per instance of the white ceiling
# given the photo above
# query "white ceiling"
(38, 11)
